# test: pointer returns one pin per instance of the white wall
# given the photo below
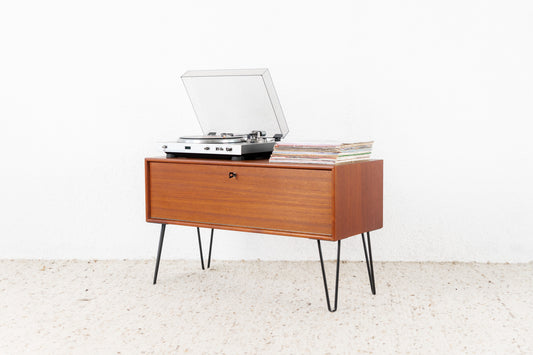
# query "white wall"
(444, 88)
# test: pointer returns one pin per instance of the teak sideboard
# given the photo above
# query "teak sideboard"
(321, 202)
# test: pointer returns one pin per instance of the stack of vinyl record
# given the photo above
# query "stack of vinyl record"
(320, 152)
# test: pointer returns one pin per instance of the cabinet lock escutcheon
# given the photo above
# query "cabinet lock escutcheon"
(232, 174)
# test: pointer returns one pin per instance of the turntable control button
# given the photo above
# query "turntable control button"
(206, 148)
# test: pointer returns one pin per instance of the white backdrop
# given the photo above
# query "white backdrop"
(444, 88)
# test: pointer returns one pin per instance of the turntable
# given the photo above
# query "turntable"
(238, 111)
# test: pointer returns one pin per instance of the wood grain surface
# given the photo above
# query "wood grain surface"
(312, 201)
(358, 198)
(275, 199)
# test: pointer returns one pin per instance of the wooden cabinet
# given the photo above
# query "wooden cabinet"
(312, 201)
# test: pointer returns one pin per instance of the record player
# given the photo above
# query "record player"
(238, 111)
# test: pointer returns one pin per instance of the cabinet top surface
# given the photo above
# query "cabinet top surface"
(258, 163)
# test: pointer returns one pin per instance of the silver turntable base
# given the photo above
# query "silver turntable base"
(224, 145)
(250, 156)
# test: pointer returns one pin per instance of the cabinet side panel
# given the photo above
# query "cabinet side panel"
(358, 198)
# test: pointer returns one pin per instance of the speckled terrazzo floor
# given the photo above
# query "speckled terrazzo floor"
(263, 307)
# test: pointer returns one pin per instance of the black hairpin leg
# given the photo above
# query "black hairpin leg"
(336, 277)
(161, 237)
(201, 252)
(369, 263)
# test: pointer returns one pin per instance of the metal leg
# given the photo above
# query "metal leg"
(161, 237)
(369, 263)
(336, 277)
(210, 247)
(201, 252)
